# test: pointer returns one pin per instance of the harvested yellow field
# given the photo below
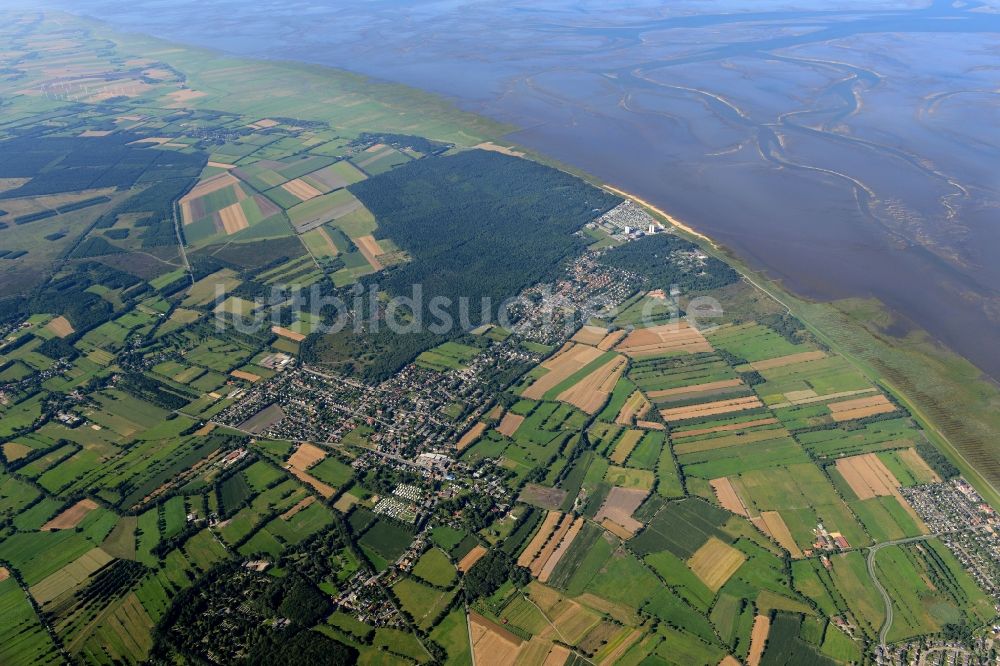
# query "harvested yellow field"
(618, 651)
(4, 574)
(264, 123)
(305, 456)
(71, 517)
(758, 638)
(301, 504)
(557, 656)
(302, 459)
(233, 219)
(550, 546)
(573, 620)
(209, 185)
(94, 133)
(471, 558)
(590, 335)
(729, 660)
(70, 576)
(860, 408)
(471, 436)
(592, 391)
(625, 445)
(715, 562)
(651, 425)
(549, 523)
(695, 388)
(491, 643)
(248, 376)
(782, 361)
(60, 326)
(725, 428)
(634, 408)
(323, 489)
(221, 165)
(536, 650)
(611, 339)
(345, 502)
(510, 423)
(662, 339)
(867, 476)
(619, 531)
(288, 333)
(778, 530)
(15, 451)
(711, 408)
(918, 466)
(808, 397)
(560, 550)
(571, 358)
(301, 189)
(728, 497)
(205, 429)
(370, 249)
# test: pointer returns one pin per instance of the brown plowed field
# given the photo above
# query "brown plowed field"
(470, 437)
(590, 335)
(560, 550)
(788, 360)
(619, 506)
(301, 189)
(233, 218)
(471, 558)
(860, 408)
(569, 359)
(287, 333)
(510, 423)
(71, 517)
(867, 476)
(548, 524)
(634, 408)
(728, 497)
(369, 247)
(592, 391)
(696, 388)
(662, 339)
(711, 408)
(758, 638)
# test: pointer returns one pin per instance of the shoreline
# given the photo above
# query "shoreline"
(917, 408)
(938, 381)
(667, 216)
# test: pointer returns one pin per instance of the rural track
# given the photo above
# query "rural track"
(180, 243)
(886, 599)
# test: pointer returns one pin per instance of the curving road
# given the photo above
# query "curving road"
(887, 624)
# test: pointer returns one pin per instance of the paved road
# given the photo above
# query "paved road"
(884, 631)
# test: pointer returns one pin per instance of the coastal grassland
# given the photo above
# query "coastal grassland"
(350, 102)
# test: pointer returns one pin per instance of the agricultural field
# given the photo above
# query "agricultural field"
(182, 435)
